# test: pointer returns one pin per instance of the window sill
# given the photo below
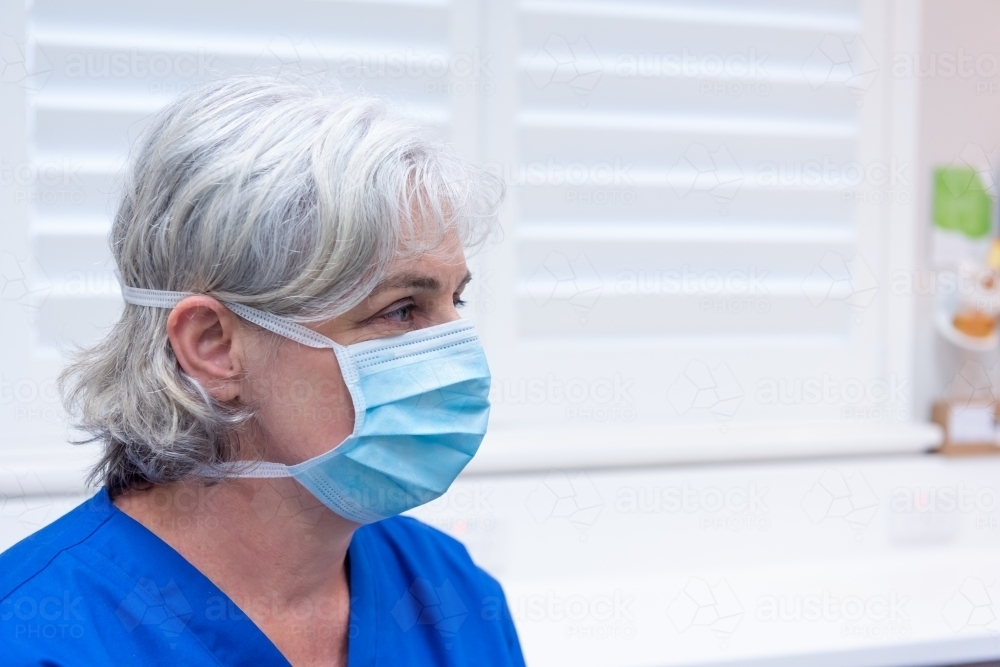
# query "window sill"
(60, 469)
(603, 446)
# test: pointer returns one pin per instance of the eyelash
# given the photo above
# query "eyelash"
(403, 310)
(406, 309)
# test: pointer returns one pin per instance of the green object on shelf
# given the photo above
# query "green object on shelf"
(961, 203)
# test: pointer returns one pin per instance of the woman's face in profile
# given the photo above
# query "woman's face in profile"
(302, 405)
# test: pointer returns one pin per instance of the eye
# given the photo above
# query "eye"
(458, 301)
(401, 314)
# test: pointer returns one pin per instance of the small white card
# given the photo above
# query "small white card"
(971, 424)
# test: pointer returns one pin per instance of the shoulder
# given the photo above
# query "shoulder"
(45, 582)
(433, 598)
(38, 553)
(404, 531)
(420, 548)
(412, 553)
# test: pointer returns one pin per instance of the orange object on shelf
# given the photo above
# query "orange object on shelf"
(974, 323)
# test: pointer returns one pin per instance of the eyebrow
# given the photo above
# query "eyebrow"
(414, 281)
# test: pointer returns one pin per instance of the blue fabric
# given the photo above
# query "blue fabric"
(97, 588)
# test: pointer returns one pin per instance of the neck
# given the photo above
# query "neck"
(259, 540)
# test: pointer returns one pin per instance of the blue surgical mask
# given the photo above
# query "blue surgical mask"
(420, 404)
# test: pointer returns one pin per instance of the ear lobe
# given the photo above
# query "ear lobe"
(206, 339)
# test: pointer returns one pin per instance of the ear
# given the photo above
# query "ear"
(206, 338)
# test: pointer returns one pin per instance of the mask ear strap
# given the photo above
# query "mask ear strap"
(149, 297)
(247, 470)
(281, 326)
(275, 324)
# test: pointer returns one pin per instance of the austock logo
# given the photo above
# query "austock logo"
(738, 507)
(836, 278)
(16, 67)
(838, 61)
(23, 281)
(704, 388)
(714, 172)
(561, 62)
(973, 606)
(59, 615)
(859, 617)
(569, 496)
(594, 616)
(975, 384)
(164, 608)
(440, 607)
(26, 499)
(704, 606)
(839, 498)
(572, 281)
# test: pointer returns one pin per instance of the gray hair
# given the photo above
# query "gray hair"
(273, 195)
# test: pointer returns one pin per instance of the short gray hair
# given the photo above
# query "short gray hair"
(275, 195)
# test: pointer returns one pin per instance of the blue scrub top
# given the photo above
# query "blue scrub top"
(97, 588)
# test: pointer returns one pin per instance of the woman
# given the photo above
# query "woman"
(289, 374)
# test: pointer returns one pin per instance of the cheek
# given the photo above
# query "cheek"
(308, 410)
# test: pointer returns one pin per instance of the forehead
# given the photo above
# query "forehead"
(432, 268)
(443, 253)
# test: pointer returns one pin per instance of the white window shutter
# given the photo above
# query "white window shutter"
(693, 263)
